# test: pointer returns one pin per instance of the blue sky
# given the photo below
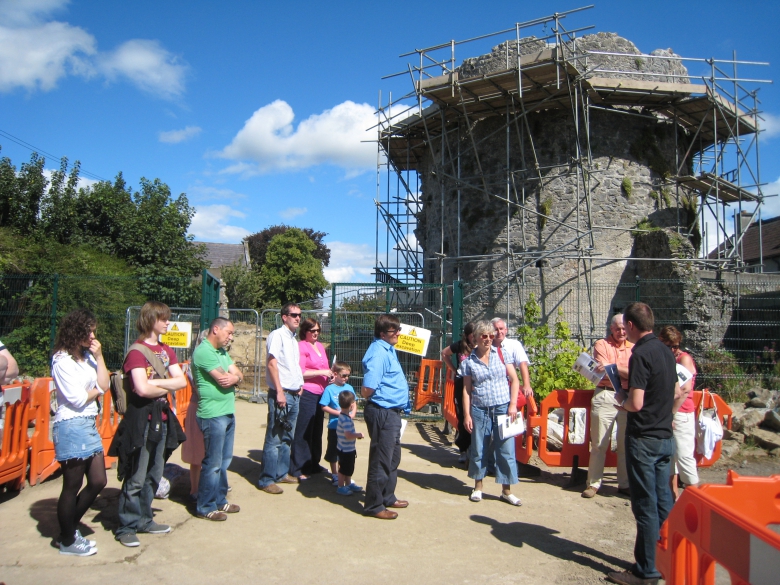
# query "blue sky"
(259, 110)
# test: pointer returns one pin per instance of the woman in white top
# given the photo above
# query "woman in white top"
(81, 377)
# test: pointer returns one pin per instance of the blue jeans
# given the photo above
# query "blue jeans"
(137, 495)
(485, 441)
(648, 463)
(218, 433)
(276, 449)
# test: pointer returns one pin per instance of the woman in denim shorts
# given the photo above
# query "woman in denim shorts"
(81, 377)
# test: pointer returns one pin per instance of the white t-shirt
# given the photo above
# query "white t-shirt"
(73, 380)
(282, 345)
(513, 351)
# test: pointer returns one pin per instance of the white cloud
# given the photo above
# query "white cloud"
(204, 193)
(269, 141)
(176, 136)
(292, 212)
(770, 124)
(771, 207)
(147, 65)
(210, 224)
(350, 262)
(36, 53)
(82, 183)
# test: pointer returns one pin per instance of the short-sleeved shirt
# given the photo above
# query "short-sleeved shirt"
(213, 399)
(311, 360)
(282, 345)
(514, 352)
(345, 425)
(135, 359)
(330, 397)
(652, 369)
(607, 351)
(488, 382)
(382, 373)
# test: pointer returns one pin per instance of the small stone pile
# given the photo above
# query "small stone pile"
(757, 419)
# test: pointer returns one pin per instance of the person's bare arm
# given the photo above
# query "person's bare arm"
(366, 392)
(176, 379)
(143, 387)
(12, 371)
(680, 394)
(468, 424)
(514, 388)
(526, 376)
(272, 366)
(103, 377)
(635, 400)
(446, 357)
(352, 436)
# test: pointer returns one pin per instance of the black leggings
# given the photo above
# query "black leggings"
(73, 504)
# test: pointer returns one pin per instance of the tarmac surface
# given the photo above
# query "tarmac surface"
(309, 534)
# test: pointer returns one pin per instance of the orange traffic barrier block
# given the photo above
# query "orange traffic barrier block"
(13, 452)
(727, 525)
(107, 423)
(567, 399)
(42, 461)
(524, 444)
(428, 388)
(448, 408)
(182, 398)
(724, 412)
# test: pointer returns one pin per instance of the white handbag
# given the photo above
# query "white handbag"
(709, 429)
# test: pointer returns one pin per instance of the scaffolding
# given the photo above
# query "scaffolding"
(717, 112)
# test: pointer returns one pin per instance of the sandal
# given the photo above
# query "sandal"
(476, 496)
(511, 499)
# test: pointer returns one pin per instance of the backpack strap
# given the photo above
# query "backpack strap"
(151, 357)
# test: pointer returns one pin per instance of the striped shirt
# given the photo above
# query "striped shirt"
(488, 383)
(345, 425)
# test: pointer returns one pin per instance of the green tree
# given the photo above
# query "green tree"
(552, 355)
(21, 193)
(58, 207)
(291, 272)
(243, 287)
(258, 244)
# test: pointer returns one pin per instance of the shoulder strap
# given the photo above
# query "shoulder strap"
(151, 357)
(501, 355)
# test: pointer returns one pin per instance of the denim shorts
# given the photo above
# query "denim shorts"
(76, 438)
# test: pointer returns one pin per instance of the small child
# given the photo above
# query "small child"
(329, 402)
(346, 434)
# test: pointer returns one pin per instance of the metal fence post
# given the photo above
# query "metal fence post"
(53, 324)
(457, 309)
(638, 294)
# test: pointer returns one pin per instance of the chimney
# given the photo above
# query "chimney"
(744, 221)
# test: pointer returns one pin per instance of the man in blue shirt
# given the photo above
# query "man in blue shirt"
(387, 393)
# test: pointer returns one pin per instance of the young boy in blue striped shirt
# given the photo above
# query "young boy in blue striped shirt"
(346, 435)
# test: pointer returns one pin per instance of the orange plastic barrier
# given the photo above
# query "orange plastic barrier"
(448, 409)
(428, 385)
(524, 444)
(568, 399)
(727, 525)
(13, 453)
(724, 411)
(107, 422)
(42, 462)
(183, 397)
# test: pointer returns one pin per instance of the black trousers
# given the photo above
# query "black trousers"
(306, 449)
(463, 440)
(384, 456)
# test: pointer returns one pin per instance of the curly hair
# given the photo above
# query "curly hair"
(74, 330)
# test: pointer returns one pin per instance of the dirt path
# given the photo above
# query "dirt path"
(311, 535)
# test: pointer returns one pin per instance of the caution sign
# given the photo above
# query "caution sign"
(413, 340)
(179, 334)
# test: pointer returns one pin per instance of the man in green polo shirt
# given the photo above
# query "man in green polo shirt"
(216, 376)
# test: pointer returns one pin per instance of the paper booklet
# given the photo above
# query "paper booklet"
(507, 429)
(586, 366)
(683, 374)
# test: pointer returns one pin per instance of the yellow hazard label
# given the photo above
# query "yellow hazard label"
(175, 327)
(412, 332)
(410, 344)
(176, 338)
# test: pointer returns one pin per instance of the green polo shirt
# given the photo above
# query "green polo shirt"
(214, 400)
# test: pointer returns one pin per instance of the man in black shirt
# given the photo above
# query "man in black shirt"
(652, 383)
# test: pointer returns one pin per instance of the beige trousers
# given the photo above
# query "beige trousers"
(685, 446)
(604, 414)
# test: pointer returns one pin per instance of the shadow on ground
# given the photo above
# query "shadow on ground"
(544, 539)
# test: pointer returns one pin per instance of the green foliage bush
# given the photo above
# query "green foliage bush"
(552, 354)
(720, 372)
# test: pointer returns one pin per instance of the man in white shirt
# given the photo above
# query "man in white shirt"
(513, 353)
(285, 383)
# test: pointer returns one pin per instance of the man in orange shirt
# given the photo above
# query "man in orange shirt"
(615, 349)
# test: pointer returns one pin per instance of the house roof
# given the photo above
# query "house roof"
(770, 236)
(219, 255)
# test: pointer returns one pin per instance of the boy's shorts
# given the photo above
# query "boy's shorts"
(331, 453)
(347, 462)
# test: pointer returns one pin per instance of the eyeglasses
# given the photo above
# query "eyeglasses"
(314, 330)
(294, 315)
(392, 331)
(487, 336)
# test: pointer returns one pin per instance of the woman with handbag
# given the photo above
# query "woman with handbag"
(461, 348)
(684, 428)
(486, 396)
(81, 378)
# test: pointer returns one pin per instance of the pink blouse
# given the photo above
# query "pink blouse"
(311, 361)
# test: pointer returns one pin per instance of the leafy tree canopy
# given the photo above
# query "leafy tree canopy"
(291, 272)
(259, 243)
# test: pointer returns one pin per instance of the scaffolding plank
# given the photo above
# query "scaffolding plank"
(709, 185)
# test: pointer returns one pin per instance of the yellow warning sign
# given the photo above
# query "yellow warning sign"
(179, 334)
(413, 340)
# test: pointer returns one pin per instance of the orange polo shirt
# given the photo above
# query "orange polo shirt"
(607, 351)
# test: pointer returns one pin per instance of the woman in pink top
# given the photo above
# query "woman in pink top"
(684, 415)
(307, 443)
